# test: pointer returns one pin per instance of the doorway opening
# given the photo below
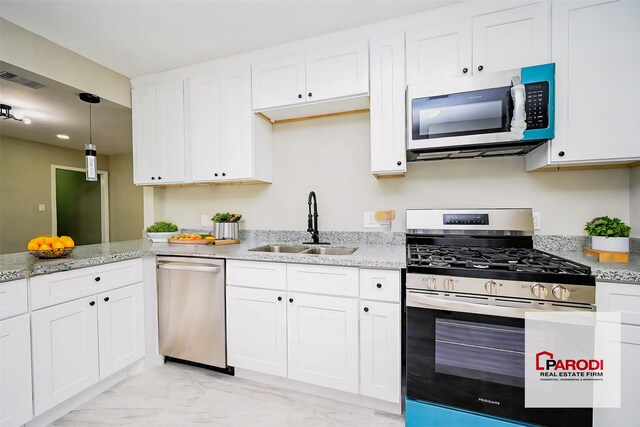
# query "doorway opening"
(79, 208)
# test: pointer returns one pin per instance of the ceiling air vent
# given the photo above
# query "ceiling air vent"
(6, 75)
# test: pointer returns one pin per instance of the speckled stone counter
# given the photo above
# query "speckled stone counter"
(606, 271)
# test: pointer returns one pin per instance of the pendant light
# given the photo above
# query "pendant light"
(90, 154)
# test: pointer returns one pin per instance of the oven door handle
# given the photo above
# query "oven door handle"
(418, 300)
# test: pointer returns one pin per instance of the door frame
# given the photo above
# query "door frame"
(104, 200)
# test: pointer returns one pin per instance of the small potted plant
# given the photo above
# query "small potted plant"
(608, 234)
(225, 225)
(161, 231)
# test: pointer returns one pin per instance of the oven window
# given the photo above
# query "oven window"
(467, 113)
(480, 351)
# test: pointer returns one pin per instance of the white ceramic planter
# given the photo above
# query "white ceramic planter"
(610, 244)
(161, 237)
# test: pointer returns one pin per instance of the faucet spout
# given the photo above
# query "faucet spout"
(312, 220)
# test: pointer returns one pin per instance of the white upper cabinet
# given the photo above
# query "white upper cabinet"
(512, 38)
(387, 106)
(503, 40)
(158, 133)
(322, 73)
(597, 55)
(439, 51)
(279, 81)
(337, 71)
(204, 116)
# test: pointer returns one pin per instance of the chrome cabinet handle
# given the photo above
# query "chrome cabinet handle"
(189, 268)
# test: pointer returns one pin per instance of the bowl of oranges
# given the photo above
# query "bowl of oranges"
(51, 246)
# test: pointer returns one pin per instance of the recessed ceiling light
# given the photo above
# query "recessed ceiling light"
(61, 136)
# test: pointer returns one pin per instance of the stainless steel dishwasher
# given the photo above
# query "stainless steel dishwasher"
(191, 309)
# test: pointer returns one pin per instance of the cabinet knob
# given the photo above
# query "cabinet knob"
(378, 285)
(309, 94)
(299, 96)
(153, 177)
(224, 174)
(290, 299)
(106, 299)
(279, 298)
(215, 174)
(92, 303)
(399, 163)
(561, 154)
(465, 70)
(159, 177)
(480, 68)
(366, 309)
(97, 279)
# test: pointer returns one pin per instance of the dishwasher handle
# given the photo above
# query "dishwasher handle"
(184, 267)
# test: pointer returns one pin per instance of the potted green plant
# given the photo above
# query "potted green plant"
(608, 234)
(161, 231)
(225, 225)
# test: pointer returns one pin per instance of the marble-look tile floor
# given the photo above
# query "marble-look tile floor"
(181, 395)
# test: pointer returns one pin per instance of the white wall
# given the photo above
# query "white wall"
(634, 201)
(331, 156)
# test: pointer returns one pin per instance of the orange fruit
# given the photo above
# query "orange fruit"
(58, 245)
(45, 247)
(33, 246)
(48, 240)
(67, 241)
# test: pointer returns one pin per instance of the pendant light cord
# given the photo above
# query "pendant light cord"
(90, 126)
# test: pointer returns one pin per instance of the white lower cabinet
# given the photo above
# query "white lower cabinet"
(80, 342)
(323, 340)
(257, 330)
(380, 348)
(15, 371)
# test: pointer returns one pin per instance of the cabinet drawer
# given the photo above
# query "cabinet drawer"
(621, 297)
(257, 274)
(56, 288)
(323, 279)
(380, 285)
(13, 298)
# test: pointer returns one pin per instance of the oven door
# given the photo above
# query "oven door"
(470, 356)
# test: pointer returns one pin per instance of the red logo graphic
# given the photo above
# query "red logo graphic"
(546, 362)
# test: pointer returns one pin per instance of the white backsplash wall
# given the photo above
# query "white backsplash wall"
(634, 200)
(331, 156)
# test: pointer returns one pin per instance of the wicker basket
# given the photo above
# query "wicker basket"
(53, 253)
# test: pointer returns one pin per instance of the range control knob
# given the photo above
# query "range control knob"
(491, 287)
(561, 292)
(539, 290)
(431, 283)
(448, 284)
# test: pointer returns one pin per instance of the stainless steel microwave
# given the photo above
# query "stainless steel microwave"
(493, 114)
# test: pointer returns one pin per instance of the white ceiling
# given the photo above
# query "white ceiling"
(57, 109)
(137, 37)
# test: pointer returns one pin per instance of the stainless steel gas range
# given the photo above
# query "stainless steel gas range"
(471, 276)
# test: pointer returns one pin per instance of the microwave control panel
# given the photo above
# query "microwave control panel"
(537, 105)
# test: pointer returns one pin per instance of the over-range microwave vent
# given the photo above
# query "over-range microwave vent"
(6, 75)
(472, 152)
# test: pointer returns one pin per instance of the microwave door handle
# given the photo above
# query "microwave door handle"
(519, 117)
(420, 301)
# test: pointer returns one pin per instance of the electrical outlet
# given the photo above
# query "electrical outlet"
(536, 221)
(205, 220)
(370, 220)
(41, 207)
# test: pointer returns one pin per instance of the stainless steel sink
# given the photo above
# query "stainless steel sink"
(279, 248)
(329, 251)
(304, 250)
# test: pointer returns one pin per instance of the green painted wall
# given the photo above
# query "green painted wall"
(78, 207)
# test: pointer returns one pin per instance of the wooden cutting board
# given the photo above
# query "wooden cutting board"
(190, 242)
(228, 242)
(606, 256)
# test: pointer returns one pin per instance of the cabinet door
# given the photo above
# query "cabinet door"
(15, 371)
(439, 51)
(204, 116)
(597, 54)
(145, 135)
(236, 125)
(65, 351)
(380, 350)
(387, 105)
(170, 110)
(339, 71)
(278, 82)
(629, 412)
(120, 328)
(323, 340)
(511, 39)
(257, 330)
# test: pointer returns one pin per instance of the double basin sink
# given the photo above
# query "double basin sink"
(304, 250)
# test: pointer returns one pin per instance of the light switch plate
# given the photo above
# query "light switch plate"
(41, 207)
(370, 220)
(205, 220)
(536, 220)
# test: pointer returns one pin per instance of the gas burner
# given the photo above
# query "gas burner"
(439, 264)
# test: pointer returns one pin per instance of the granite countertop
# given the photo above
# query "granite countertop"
(384, 251)
(20, 265)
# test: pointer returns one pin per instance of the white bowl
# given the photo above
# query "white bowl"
(161, 237)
